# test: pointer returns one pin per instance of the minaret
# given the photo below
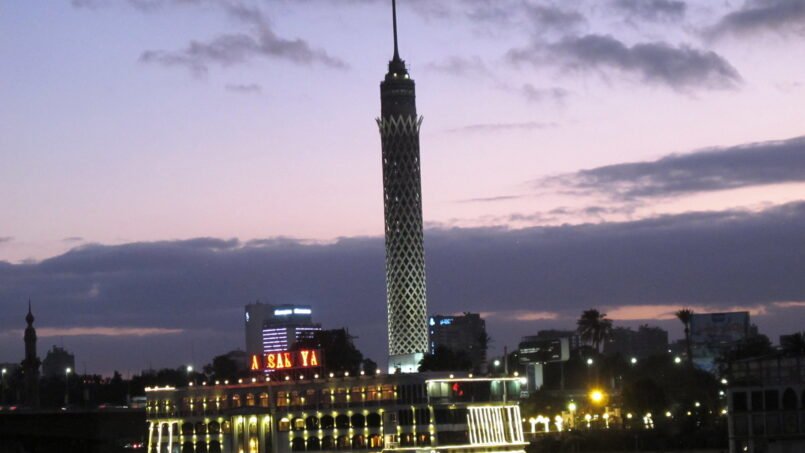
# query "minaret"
(402, 203)
(30, 366)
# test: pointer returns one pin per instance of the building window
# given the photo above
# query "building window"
(312, 423)
(373, 420)
(313, 444)
(375, 441)
(358, 421)
(358, 442)
(739, 403)
(789, 400)
(772, 400)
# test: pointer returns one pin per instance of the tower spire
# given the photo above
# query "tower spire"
(394, 20)
(30, 317)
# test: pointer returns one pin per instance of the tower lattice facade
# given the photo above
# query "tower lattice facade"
(402, 202)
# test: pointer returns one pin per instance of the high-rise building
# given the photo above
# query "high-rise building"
(641, 343)
(465, 333)
(402, 205)
(57, 361)
(272, 328)
(714, 334)
(255, 315)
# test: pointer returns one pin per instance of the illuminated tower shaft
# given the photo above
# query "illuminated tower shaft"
(402, 203)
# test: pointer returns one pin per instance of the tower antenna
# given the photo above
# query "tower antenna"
(394, 18)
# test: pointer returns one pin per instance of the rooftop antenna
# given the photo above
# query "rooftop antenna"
(394, 17)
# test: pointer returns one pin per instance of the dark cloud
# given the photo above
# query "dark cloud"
(719, 259)
(754, 164)
(141, 5)
(230, 49)
(777, 16)
(538, 95)
(73, 239)
(461, 66)
(502, 127)
(259, 41)
(680, 67)
(548, 18)
(491, 199)
(248, 88)
(6, 239)
(653, 10)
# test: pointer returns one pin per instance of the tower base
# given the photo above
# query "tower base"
(405, 363)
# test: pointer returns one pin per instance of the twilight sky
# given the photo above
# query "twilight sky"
(164, 162)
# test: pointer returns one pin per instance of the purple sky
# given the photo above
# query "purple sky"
(633, 155)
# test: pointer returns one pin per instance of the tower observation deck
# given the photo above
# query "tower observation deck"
(402, 202)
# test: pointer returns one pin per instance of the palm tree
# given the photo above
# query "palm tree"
(594, 328)
(685, 315)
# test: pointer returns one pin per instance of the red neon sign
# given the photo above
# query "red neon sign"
(286, 360)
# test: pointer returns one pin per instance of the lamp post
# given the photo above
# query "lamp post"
(3, 386)
(67, 372)
(571, 407)
(190, 373)
(496, 367)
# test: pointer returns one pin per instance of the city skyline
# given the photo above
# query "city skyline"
(548, 190)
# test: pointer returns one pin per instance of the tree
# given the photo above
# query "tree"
(594, 328)
(445, 359)
(685, 315)
(369, 366)
(793, 344)
(338, 349)
(223, 368)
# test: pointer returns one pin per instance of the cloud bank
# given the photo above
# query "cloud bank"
(681, 67)
(521, 277)
(755, 164)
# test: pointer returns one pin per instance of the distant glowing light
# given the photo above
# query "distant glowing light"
(596, 396)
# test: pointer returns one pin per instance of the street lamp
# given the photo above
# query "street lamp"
(634, 360)
(67, 372)
(589, 361)
(677, 360)
(596, 396)
(3, 386)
